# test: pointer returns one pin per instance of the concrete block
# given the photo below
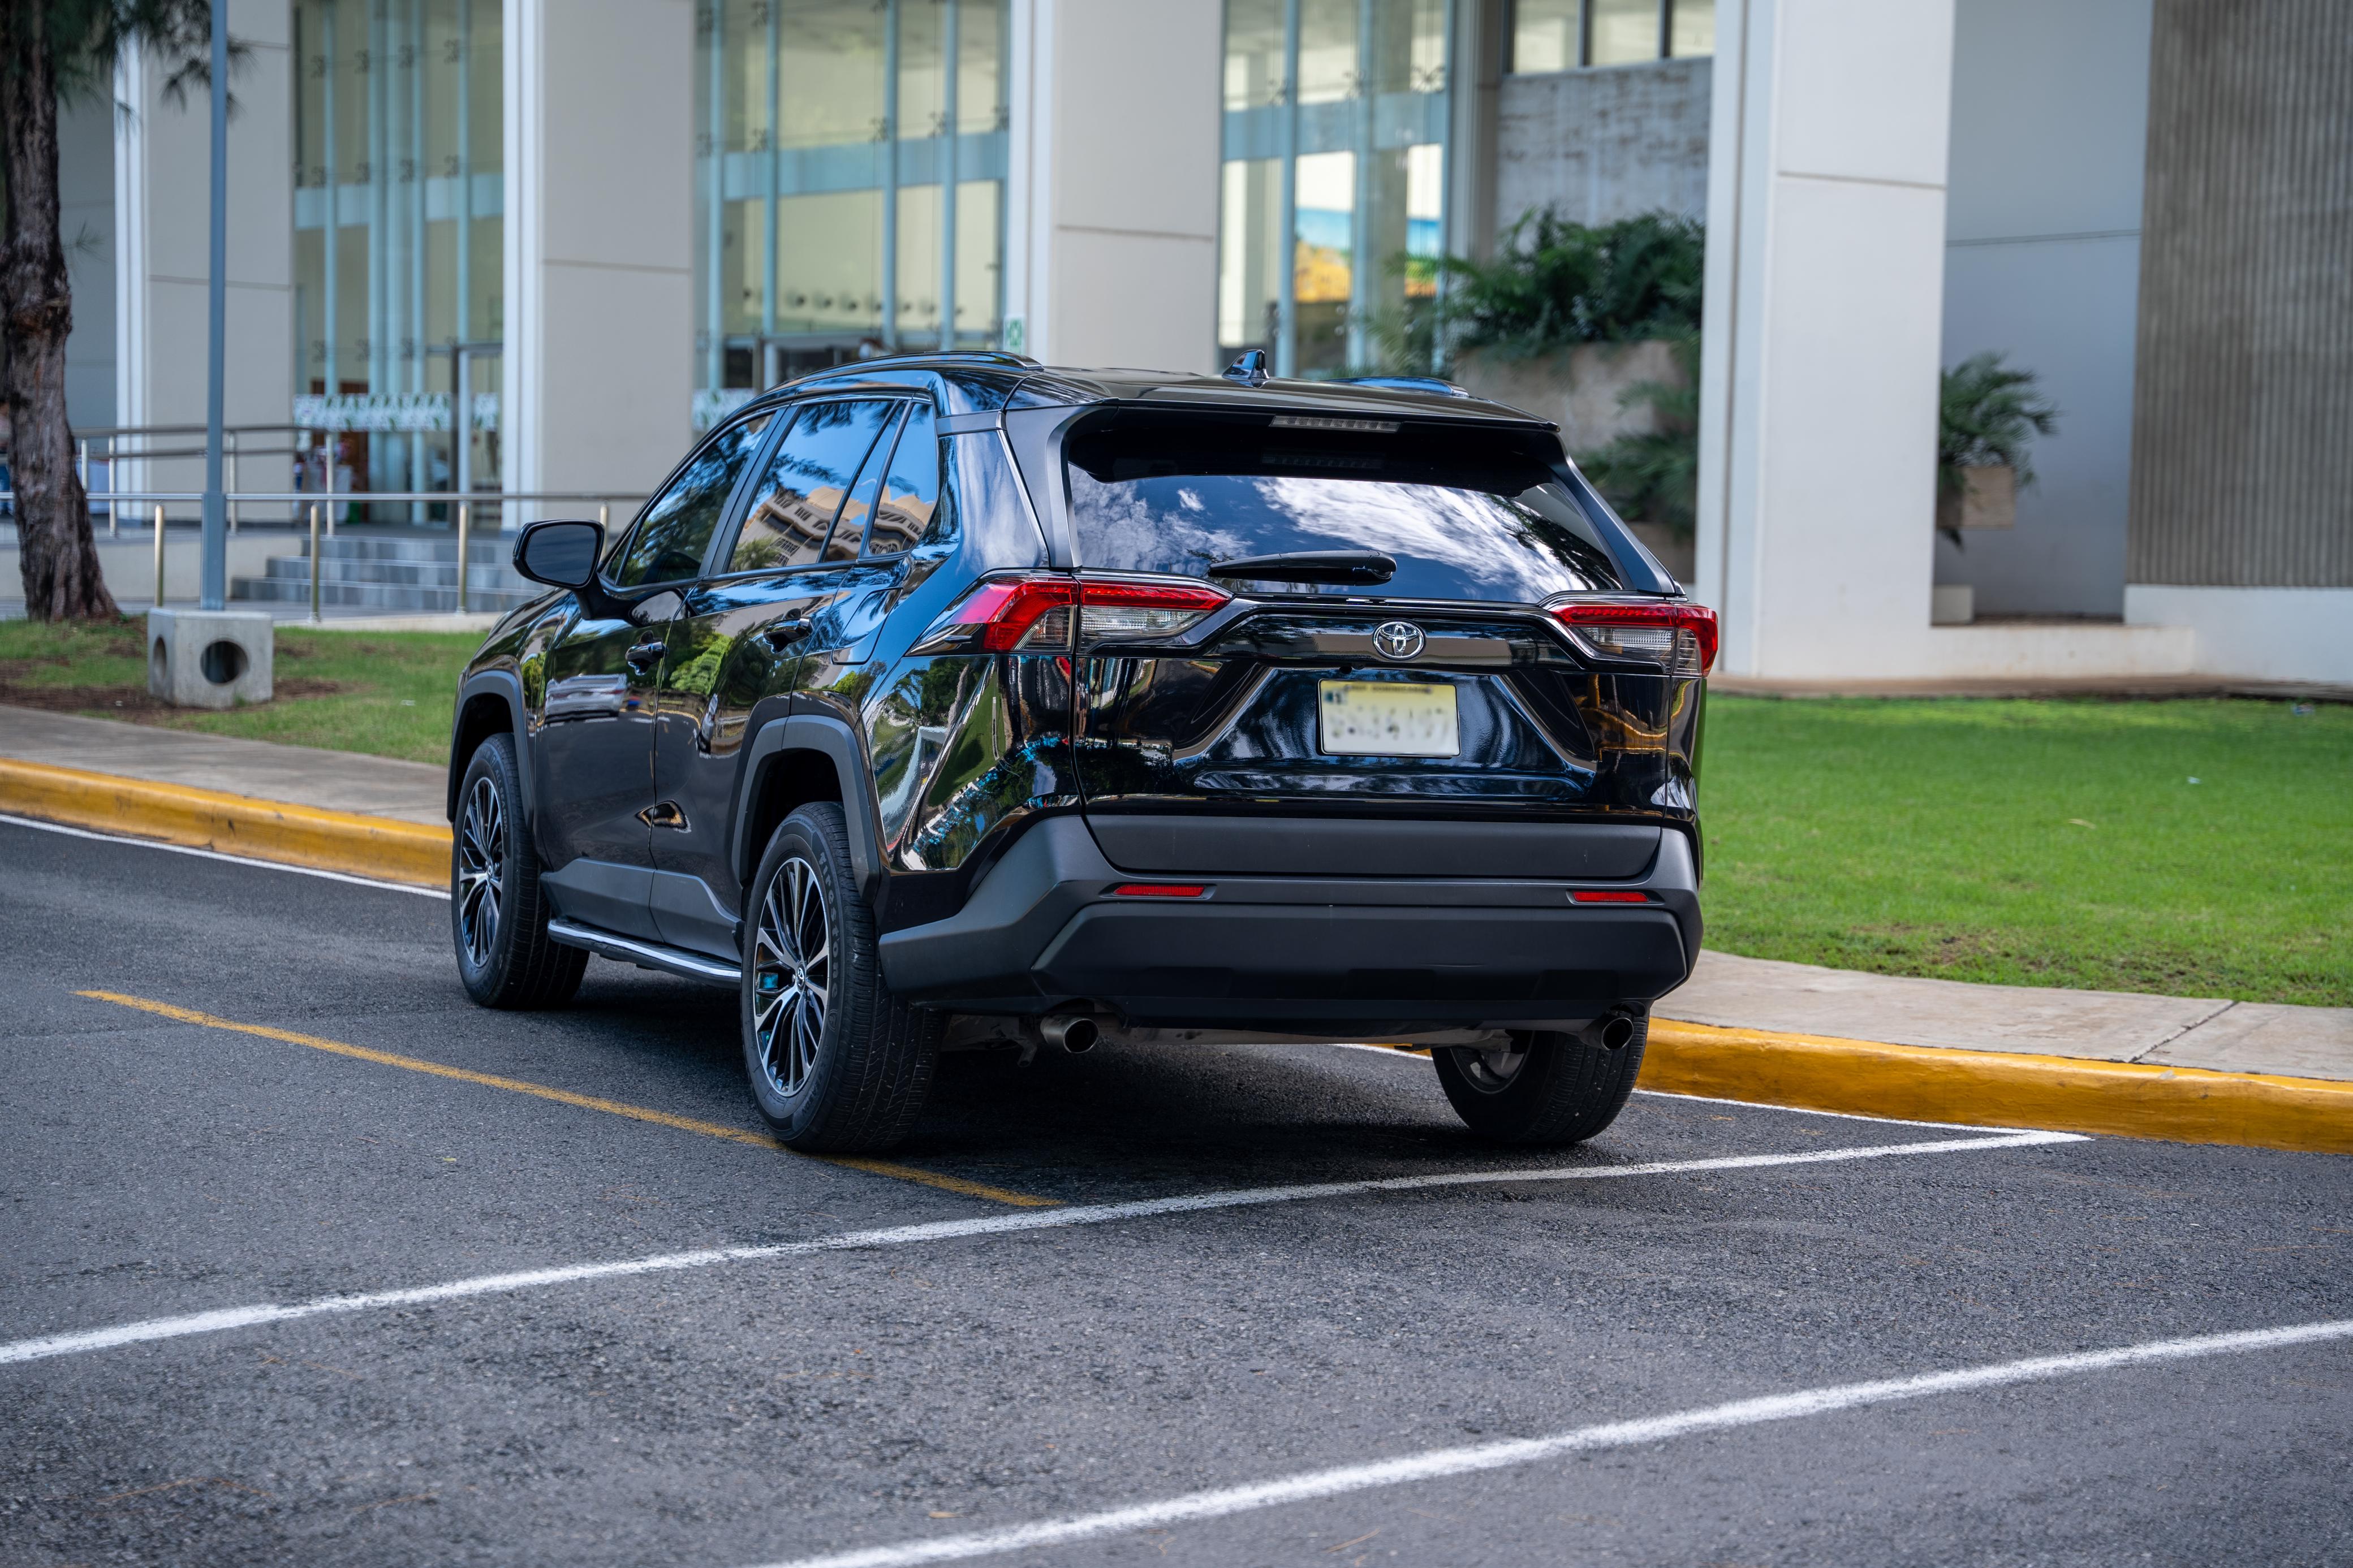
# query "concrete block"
(209, 658)
(1952, 605)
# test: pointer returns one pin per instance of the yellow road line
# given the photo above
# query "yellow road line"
(566, 1097)
(380, 846)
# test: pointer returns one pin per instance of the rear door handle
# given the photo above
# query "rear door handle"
(644, 654)
(783, 634)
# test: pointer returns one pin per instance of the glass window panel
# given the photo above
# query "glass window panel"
(1327, 50)
(1409, 46)
(980, 78)
(1691, 30)
(830, 262)
(1254, 75)
(831, 59)
(919, 261)
(1249, 253)
(675, 529)
(849, 529)
(980, 220)
(1625, 31)
(912, 493)
(805, 483)
(1546, 36)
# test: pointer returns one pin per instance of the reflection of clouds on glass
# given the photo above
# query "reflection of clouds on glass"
(1190, 499)
(1453, 528)
(1126, 533)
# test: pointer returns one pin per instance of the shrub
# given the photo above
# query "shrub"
(1655, 478)
(1989, 415)
(1553, 284)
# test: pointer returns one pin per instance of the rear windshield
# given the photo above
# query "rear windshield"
(1461, 521)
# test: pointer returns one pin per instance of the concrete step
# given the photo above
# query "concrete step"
(419, 574)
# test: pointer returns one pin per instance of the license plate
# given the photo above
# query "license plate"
(1387, 719)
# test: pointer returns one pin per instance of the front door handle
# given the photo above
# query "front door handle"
(644, 654)
(783, 634)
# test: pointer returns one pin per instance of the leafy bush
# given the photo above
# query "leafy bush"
(1553, 284)
(1989, 415)
(1655, 478)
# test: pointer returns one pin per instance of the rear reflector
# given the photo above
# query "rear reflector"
(1160, 890)
(1601, 896)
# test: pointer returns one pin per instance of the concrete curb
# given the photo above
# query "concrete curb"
(377, 846)
(1814, 1072)
(1989, 1089)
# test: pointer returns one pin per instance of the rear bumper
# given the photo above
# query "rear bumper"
(1044, 931)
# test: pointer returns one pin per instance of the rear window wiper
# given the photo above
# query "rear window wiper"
(1363, 567)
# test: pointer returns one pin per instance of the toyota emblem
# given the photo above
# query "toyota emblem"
(1396, 639)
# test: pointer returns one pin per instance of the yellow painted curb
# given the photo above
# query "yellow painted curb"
(1993, 1089)
(233, 823)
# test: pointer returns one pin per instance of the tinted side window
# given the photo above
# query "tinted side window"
(675, 529)
(911, 495)
(849, 527)
(809, 476)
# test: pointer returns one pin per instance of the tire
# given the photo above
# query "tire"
(498, 913)
(834, 1061)
(1555, 1090)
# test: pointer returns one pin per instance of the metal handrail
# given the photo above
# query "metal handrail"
(303, 497)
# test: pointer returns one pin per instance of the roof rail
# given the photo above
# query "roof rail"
(1005, 358)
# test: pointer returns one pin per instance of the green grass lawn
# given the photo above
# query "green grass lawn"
(390, 694)
(2029, 843)
(2192, 847)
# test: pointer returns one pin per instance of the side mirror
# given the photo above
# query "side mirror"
(559, 555)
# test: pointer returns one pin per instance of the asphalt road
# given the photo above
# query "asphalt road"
(929, 1386)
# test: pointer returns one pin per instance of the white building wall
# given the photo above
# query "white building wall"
(1825, 291)
(600, 246)
(2042, 263)
(162, 193)
(1112, 225)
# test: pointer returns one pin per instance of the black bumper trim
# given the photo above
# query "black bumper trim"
(1043, 930)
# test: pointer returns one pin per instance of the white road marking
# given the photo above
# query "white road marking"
(1442, 1462)
(226, 1318)
(441, 893)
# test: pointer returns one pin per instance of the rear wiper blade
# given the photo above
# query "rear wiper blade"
(1352, 566)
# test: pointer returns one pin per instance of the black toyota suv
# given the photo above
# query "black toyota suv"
(954, 701)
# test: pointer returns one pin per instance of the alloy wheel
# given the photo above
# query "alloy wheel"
(481, 869)
(1492, 1070)
(791, 974)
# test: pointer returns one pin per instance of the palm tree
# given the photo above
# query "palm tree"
(54, 52)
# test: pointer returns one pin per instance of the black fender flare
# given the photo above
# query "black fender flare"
(838, 743)
(506, 686)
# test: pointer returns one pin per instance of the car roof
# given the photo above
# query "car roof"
(982, 381)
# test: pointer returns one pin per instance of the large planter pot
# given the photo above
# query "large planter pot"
(1579, 388)
(1988, 498)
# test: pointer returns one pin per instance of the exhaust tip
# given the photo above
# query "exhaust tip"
(1073, 1032)
(1616, 1032)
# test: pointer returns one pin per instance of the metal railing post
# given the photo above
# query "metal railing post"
(314, 563)
(465, 526)
(232, 481)
(159, 555)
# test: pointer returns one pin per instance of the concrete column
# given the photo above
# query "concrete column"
(599, 284)
(162, 188)
(1112, 210)
(1825, 299)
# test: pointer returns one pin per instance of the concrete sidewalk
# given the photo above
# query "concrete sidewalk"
(1802, 1017)
(299, 775)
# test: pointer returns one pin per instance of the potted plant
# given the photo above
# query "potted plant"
(1989, 415)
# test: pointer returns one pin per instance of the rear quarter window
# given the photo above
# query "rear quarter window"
(1465, 516)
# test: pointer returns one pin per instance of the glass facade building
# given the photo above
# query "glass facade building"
(398, 191)
(1334, 172)
(850, 175)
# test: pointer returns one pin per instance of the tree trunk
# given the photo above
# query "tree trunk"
(56, 553)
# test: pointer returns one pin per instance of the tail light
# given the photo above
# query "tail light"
(1674, 637)
(1006, 614)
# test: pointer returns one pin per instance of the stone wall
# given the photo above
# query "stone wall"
(1603, 144)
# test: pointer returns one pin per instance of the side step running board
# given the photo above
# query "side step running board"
(645, 955)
